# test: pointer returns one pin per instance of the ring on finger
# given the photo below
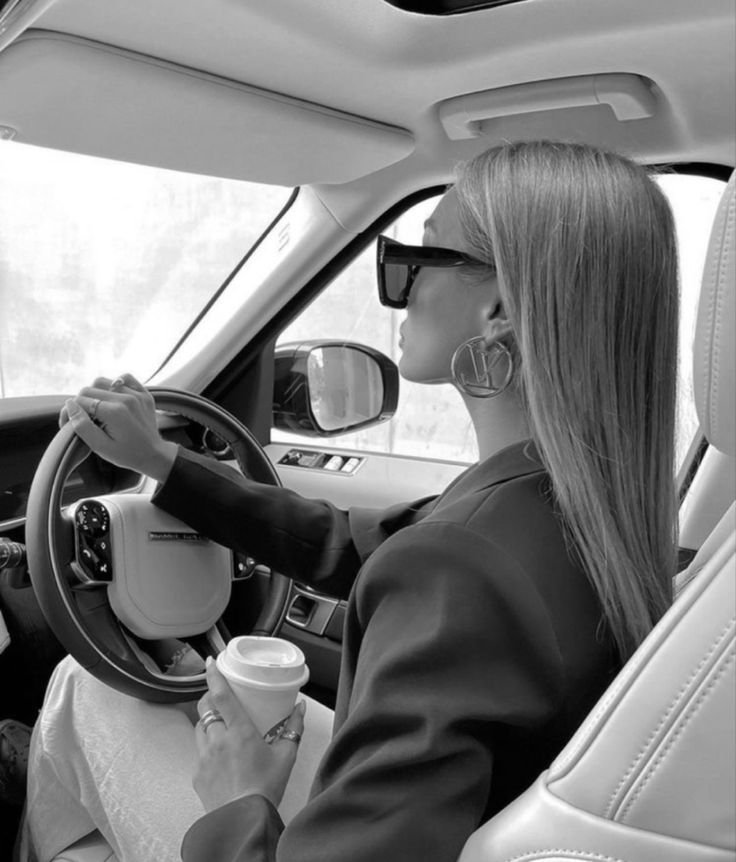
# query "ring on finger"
(93, 409)
(117, 383)
(211, 717)
(292, 735)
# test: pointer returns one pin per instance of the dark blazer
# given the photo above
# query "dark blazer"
(472, 650)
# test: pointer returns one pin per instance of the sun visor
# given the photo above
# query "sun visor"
(72, 94)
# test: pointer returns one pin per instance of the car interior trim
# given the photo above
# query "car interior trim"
(18, 15)
(378, 475)
(243, 261)
(310, 611)
(12, 524)
(447, 7)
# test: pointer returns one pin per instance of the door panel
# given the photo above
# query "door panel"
(378, 481)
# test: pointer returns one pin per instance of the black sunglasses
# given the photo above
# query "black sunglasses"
(398, 265)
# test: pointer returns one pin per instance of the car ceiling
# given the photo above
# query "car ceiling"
(378, 75)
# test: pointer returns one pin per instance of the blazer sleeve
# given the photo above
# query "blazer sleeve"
(245, 830)
(309, 540)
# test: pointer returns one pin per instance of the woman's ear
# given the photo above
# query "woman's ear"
(497, 326)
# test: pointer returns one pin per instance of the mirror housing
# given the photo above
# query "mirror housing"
(326, 388)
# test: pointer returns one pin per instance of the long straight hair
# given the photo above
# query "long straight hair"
(583, 242)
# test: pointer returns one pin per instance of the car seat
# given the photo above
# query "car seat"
(651, 774)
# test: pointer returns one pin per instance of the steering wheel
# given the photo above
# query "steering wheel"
(78, 604)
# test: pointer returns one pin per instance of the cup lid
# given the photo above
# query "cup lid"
(263, 662)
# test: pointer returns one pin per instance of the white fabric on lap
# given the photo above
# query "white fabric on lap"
(103, 760)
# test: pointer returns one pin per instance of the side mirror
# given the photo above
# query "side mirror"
(325, 388)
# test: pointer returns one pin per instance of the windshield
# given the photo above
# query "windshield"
(104, 265)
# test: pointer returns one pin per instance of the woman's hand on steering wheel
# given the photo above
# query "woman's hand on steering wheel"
(117, 420)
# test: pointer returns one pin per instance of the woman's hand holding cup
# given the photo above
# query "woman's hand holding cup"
(117, 420)
(234, 758)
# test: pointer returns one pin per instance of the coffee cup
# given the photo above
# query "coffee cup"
(265, 674)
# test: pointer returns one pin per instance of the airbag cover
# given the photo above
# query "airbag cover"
(168, 580)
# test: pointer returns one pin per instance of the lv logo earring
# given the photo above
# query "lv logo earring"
(482, 371)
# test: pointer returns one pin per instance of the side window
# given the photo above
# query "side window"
(694, 200)
(431, 421)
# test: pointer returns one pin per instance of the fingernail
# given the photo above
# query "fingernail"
(72, 406)
(208, 661)
(302, 707)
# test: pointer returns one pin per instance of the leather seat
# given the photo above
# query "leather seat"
(651, 774)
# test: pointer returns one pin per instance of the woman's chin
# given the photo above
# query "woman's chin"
(407, 372)
(413, 374)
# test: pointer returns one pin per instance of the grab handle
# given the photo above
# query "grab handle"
(629, 96)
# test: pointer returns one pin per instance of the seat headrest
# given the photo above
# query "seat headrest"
(714, 354)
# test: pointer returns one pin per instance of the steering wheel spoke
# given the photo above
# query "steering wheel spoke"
(64, 535)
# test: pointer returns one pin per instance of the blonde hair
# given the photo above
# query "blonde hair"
(583, 242)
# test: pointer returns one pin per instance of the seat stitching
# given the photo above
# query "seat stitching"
(628, 676)
(678, 733)
(574, 748)
(718, 323)
(530, 855)
(707, 351)
(609, 813)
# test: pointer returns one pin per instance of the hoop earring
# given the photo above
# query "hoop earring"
(473, 364)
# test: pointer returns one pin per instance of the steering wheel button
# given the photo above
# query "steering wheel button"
(93, 519)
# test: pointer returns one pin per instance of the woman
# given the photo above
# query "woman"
(484, 623)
